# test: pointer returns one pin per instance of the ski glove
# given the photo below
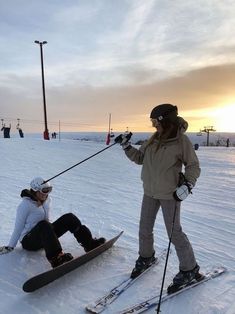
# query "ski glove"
(183, 191)
(123, 140)
(5, 249)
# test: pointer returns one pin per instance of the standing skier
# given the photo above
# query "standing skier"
(34, 231)
(162, 157)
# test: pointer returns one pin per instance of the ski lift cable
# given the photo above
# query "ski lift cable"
(49, 122)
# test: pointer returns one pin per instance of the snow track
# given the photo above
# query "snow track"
(106, 192)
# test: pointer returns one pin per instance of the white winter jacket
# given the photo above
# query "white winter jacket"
(28, 214)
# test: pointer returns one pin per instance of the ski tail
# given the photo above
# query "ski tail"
(153, 301)
(103, 302)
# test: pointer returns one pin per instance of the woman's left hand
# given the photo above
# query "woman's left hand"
(183, 191)
(5, 249)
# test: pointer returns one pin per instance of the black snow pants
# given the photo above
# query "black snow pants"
(45, 235)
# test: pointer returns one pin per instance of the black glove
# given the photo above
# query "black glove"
(5, 249)
(183, 191)
(123, 140)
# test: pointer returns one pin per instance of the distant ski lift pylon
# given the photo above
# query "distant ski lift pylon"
(19, 128)
(18, 124)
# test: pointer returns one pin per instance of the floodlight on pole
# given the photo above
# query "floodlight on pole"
(46, 132)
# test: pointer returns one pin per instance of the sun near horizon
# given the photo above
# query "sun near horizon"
(221, 118)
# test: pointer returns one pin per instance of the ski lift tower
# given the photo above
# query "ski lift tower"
(207, 130)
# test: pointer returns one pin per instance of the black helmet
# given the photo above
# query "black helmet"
(164, 111)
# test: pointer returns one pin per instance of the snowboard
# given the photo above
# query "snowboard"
(47, 277)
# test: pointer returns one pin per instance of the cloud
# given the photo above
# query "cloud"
(120, 57)
(207, 87)
(91, 36)
(198, 89)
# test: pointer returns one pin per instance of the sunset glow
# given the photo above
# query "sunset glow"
(118, 57)
(224, 118)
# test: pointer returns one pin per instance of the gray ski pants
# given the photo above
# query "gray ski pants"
(149, 210)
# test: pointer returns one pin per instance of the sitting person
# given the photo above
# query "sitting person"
(34, 230)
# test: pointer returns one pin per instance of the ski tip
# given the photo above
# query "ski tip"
(218, 270)
(118, 236)
(88, 309)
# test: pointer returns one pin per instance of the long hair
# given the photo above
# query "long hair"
(33, 194)
(170, 129)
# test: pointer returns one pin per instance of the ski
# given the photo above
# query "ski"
(153, 301)
(101, 304)
(47, 277)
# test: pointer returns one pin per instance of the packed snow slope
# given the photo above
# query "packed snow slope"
(105, 192)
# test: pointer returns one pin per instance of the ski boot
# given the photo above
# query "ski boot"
(184, 278)
(60, 259)
(141, 264)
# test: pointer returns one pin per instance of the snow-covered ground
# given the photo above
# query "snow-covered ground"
(215, 138)
(105, 192)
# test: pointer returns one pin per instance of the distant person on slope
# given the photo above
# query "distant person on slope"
(162, 157)
(34, 231)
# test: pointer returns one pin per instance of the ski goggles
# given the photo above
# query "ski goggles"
(46, 190)
(155, 122)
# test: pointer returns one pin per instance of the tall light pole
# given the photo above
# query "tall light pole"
(46, 133)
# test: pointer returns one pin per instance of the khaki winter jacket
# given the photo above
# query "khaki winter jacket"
(162, 164)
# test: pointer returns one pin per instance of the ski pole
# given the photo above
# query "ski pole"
(167, 256)
(80, 162)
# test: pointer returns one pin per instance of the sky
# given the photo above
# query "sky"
(117, 57)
